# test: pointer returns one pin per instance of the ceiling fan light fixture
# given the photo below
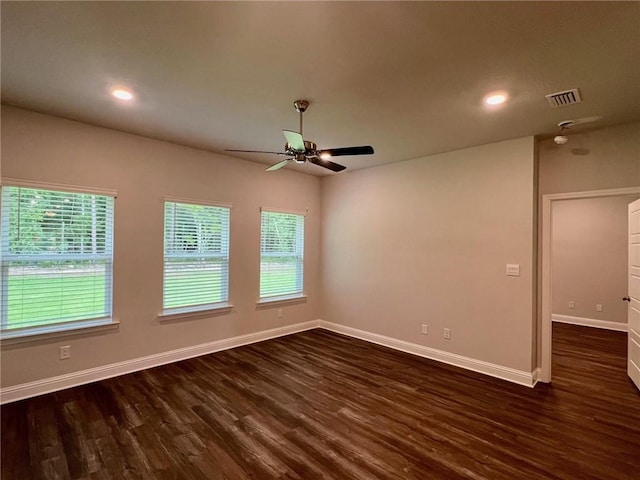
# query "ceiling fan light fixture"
(325, 155)
(561, 139)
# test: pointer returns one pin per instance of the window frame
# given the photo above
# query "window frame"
(62, 327)
(196, 310)
(300, 247)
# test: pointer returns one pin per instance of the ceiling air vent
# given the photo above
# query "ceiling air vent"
(562, 99)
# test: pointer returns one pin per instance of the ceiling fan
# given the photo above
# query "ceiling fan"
(301, 150)
(564, 126)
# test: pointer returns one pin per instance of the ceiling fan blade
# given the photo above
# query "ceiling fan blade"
(580, 121)
(334, 167)
(279, 165)
(294, 139)
(254, 151)
(341, 152)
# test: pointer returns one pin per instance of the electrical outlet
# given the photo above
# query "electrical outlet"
(598, 307)
(65, 352)
(425, 329)
(447, 333)
(572, 304)
(279, 313)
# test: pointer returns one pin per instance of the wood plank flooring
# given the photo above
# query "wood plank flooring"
(318, 405)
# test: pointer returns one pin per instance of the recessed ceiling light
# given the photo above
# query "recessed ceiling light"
(496, 98)
(122, 94)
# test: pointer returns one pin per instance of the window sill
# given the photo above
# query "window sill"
(281, 300)
(47, 332)
(193, 312)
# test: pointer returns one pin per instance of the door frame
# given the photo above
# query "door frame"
(547, 236)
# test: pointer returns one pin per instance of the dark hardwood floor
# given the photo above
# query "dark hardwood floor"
(320, 405)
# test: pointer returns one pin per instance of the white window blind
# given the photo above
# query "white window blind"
(196, 256)
(56, 258)
(281, 254)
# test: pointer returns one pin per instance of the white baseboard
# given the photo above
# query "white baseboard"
(48, 385)
(537, 373)
(528, 379)
(589, 322)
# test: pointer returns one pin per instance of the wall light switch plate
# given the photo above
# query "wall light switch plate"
(513, 269)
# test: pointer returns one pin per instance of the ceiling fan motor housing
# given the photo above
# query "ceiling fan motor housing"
(300, 105)
(310, 150)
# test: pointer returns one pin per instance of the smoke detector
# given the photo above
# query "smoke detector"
(564, 98)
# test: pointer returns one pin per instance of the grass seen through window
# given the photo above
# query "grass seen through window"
(47, 299)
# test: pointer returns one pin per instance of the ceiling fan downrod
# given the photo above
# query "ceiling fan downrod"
(301, 107)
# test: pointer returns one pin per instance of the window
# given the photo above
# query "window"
(56, 260)
(281, 255)
(196, 257)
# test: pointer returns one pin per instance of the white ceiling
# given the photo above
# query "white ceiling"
(405, 77)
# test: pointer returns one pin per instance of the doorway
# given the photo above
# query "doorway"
(546, 273)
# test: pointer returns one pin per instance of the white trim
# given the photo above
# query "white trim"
(58, 330)
(505, 373)
(281, 300)
(536, 376)
(17, 182)
(192, 201)
(613, 192)
(589, 322)
(48, 385)
(190, 312)
(281, 210)
(545, 292)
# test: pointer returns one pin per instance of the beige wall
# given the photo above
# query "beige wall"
(427, 241)
(144, 171)
(595, 160)
(423, 241)
(589, 257)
